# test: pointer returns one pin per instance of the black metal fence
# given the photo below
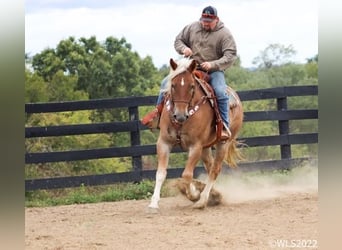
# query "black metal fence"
(284, 140)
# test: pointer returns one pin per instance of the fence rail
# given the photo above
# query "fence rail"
(136, 151)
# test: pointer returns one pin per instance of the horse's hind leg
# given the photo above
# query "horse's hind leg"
(192, 188)
(213, 172)
(207, 159)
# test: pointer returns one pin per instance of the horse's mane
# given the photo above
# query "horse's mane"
(183, 65)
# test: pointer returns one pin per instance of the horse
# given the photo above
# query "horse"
(188, 120)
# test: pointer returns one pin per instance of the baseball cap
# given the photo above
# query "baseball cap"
(209, 14)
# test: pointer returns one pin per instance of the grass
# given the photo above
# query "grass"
(303, 175)
(84, 194)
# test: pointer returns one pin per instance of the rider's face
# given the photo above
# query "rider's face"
(209, 25)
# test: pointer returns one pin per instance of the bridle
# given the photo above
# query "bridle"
(170, 103)
(184, 101)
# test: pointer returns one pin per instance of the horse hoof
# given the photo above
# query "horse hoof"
(191, 190)
(215, 198)
(199, 205)
(152, 210)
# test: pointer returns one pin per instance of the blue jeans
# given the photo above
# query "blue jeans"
(218, 82)
(162, 86)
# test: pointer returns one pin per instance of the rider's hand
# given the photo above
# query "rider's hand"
(187, 52)
(206, 66)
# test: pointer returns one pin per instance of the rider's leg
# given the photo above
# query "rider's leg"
(149, 118)
(219, 85)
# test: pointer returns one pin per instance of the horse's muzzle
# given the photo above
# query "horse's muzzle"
(180, 116)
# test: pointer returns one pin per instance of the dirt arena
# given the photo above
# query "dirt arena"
(262, 212)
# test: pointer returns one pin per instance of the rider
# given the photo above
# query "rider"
(212, 45)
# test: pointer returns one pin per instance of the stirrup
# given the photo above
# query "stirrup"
(226, 133)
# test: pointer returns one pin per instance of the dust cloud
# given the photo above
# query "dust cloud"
(242, 187)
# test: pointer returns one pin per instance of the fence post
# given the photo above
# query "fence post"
(284, 128)
(135, 141)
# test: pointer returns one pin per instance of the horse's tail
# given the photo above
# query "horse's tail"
(233, 153)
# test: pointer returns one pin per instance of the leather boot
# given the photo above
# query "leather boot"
(151, 119)
(225, 134)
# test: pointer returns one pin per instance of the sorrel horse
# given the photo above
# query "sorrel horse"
(188, 120)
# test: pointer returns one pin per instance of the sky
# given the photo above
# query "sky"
(151, 26)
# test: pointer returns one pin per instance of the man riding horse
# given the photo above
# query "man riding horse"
(212, 45)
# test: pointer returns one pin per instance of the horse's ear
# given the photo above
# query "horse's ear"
(173, 64)
(192, 66)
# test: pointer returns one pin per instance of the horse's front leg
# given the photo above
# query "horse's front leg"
(163, 152)
(194, 155)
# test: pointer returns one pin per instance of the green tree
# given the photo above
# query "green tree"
(35, 88)
(60, 88)
(46, 64)
(108, 69)
(237, 77)
(311, 67)
(274, 54)
(64, 88)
